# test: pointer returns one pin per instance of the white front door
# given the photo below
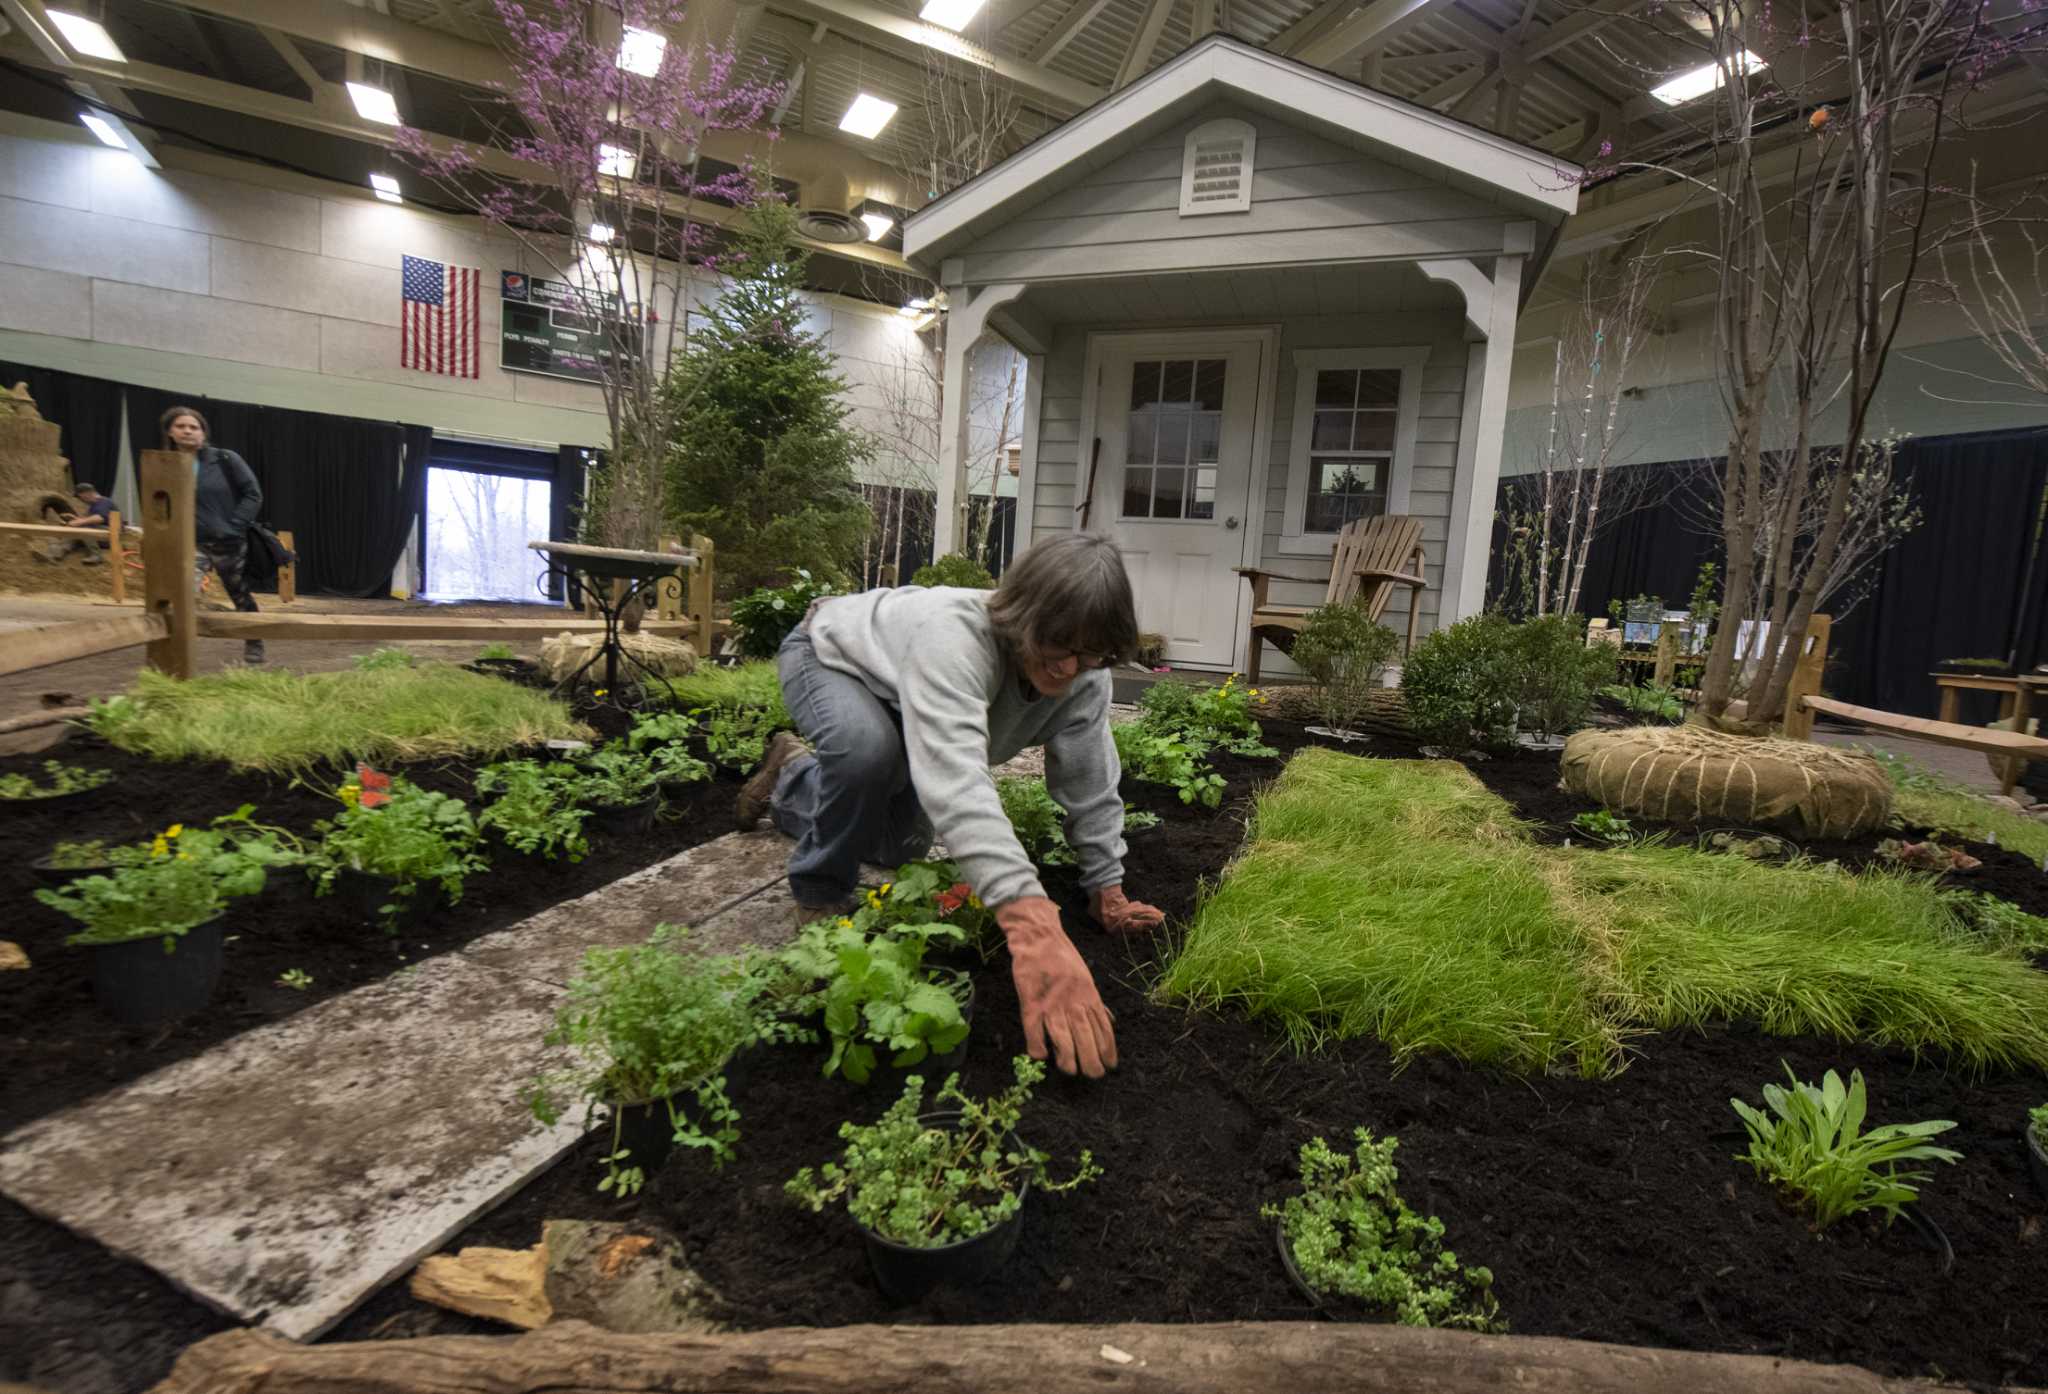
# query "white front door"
(1172, 485)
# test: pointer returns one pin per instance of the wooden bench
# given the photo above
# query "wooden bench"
(2016, 748)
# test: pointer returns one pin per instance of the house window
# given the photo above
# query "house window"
(1353, 443)
(1216, 168)
(1173, 437)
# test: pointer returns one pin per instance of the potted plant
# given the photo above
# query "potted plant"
(619, 788)
(394, 855)
(64, 782)
(654, 1030)
(1350, 1243)
(1561, 674)
(501, 660)
(875, 993)
(153, 922)
(663, 739)
(533, 810)
(938, 1197)
(68, 861)
(2037, 1145)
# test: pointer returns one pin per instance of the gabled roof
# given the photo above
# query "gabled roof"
(1532, 182)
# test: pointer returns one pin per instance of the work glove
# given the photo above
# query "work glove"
(1119, 914)
(1059, 1003)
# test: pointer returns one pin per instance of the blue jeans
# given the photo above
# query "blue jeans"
(852, 801)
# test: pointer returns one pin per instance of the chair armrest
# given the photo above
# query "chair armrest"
(1404, 577)
(1252, 572)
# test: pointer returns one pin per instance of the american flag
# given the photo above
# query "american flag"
(438, 320)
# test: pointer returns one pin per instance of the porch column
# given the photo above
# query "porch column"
(967, 315)
(1491, 308)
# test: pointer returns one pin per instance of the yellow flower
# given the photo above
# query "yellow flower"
(845, 923)
(974, 902)
(184, 856)
(601, 692)
(351, 795)
(159, 847)
(174, 829)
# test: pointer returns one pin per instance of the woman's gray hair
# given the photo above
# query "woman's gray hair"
(1068, 593)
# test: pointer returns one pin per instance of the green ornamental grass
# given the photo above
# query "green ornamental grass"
(283, 722)
(1923, 798)
(1400, 899)
(749, 687)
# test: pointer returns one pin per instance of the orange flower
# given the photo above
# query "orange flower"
(1821, 116)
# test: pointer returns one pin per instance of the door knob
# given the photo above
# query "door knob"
(1230, 523)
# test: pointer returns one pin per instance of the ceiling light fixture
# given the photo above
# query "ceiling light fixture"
(866, 117)
(88, 36)
(374, 103)
(949, 14)
(878, 225)
(386, 187)
(107, 134)
(1697, 82)
(615, 162)
(641, 50)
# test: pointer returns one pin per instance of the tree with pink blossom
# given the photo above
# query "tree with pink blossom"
(595, 168)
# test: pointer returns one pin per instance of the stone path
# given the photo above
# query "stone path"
(287, 1174)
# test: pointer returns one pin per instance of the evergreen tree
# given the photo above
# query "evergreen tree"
(763, 460)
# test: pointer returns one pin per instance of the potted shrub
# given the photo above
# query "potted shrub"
(394, 855)
(2037, 1145)
(1350, 1244)
(619, 788)
(1463, 685)
(68, 861)
(1343, 651)
(1561, 674)
(153, 922)
(762, 619)
(62, 781)
(938, 1197)
(533, 809)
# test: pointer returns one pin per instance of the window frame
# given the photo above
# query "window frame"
(1409, 361)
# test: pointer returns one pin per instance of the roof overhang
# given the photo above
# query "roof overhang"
(1532, 182)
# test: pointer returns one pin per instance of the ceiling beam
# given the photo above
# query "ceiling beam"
(112, 103)
(1139, 57)
(900, 31)
(341, 25)
(295, 60)
(1078, 16)
(1289, 41)
(1369, 27)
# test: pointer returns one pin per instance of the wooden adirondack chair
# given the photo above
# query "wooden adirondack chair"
(1364, 570)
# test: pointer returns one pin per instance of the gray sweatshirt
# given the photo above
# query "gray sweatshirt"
(933, 655)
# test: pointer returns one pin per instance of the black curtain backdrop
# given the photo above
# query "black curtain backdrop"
(348, 490)
(573, 464)
(88, 410)
(1970, 581)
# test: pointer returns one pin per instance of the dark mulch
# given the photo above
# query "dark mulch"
(1607, 1210)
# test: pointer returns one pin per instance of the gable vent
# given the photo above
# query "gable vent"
(1216, 168)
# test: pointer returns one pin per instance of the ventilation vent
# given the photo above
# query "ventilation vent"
(1216, 169)
(830, 225)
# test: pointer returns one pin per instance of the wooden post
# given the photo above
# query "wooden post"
(169, 586)
(288, 573)
(1667, 654)
(702, 605)
(1806, 678)
(114, 558)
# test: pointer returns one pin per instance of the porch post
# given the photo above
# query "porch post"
(966, 320)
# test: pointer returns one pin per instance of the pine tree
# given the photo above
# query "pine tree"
(763, 460)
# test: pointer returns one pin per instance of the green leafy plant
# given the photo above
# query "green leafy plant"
(1165, 757)
(414, 837)
(297, 979)
(495, 651)
(928, 1186)
(751, 686)
(180, 879)
(1648, 700)
(650, 1024)
(1040, 823)
(1220, 715)
(876, 994)
(1602, 826)
(64, 779)
(534, 809)
(1561, 674)
(2037, 1124)
(2000, 921)
(1343, 652)
(762, 620)
(613, 776)
(1353, 1236)
(1463, 685)
(737, 739)
(378, 659)
(79, 856)
(663, 737)
(1815, 1149)
(953, 569)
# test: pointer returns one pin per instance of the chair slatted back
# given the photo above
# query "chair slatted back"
(1385, 543)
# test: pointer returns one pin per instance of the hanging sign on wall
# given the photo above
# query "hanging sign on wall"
(557, 330)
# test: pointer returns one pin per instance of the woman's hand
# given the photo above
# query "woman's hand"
(1055, 991)
(1119, 914)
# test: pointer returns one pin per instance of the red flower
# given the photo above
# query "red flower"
(950, 900)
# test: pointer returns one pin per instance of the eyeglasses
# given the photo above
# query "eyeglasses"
(1087, 661)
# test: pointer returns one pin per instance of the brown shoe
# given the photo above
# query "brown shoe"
(759, 790)
(811, 914)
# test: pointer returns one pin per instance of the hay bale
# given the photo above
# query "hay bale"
(1689, 774)
(565, 653)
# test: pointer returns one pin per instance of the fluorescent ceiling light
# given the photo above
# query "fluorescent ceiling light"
(640, 51)
(616, 162)
(600, 233)
(107, 134)
(88, 36)
(1701, 80)
(912, 309)
(866, 117)
(386, 187)
(373, 103)
(949, 14)
(878, 225)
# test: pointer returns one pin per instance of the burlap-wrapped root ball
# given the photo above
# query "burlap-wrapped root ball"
(565, 653)
(1689, 774)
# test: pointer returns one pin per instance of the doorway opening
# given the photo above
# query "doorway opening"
(484, 504)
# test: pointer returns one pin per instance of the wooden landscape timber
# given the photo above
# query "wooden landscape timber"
(244, 624)
(573, 1357)
(60, 643)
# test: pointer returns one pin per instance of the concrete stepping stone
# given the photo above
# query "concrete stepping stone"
(288, 1173)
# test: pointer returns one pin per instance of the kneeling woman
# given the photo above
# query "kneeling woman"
(907, 697)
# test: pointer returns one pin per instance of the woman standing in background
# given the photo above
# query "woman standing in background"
(226, 500)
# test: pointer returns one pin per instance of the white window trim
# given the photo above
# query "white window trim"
(1408, 411)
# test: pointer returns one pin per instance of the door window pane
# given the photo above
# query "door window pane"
(1143, 440)
(1208, 430)
(1202, 503)
(1167, 487)
(1137, 492)
(1144, 384)
(1179, 384)
(1173, 439)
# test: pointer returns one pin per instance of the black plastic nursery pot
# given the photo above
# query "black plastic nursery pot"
(65, 875)
(933, 1068)
(44, 803)
(1333, 1305)
(618, 820)
(905, 1273)
(2037, 1157)
(366, 894)
(139, 984)
(645, 1132)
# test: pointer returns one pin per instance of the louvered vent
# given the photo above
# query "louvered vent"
(1216, 169)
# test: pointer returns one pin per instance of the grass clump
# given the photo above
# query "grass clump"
(282, 722)
(1400, 899)
(751, 687)
(1930, 800)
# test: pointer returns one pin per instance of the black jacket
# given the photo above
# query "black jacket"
(228, 498)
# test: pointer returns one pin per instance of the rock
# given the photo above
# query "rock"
(2005, 801)
(566, 653)
(1684, 774)
(12, 957)
(507, 1285)
(583, 1270)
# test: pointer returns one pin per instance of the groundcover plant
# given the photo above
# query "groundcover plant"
(1402, 900)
